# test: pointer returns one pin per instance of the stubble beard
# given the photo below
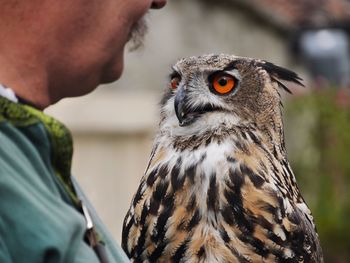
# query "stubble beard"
(137, 34)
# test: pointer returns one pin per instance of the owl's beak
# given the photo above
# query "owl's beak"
(184, 112)
(179, 104)
(187, 114)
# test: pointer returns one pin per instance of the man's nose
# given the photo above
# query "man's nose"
(157, 4)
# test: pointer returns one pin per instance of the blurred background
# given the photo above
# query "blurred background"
(113, 127)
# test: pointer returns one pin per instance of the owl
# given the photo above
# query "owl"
(218, 186)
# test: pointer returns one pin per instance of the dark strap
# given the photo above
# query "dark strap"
(92, 237)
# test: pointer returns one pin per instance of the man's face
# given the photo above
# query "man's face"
(93, 36)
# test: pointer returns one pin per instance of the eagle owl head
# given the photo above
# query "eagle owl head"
(212, 92)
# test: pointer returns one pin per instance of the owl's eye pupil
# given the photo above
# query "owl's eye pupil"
(223, 82)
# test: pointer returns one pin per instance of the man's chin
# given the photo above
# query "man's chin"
(112, 72)
(110, 78)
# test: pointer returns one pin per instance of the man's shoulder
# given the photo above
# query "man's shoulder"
(35, 220)
(32, 200)
(19, 154)
(23, 170)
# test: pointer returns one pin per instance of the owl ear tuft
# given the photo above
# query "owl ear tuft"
(279, 73)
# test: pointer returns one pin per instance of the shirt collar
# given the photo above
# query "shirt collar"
(8, 93)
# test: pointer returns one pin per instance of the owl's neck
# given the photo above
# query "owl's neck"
(219, 126)
(271, 128)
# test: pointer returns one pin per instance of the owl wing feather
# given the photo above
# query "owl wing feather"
(268, 220)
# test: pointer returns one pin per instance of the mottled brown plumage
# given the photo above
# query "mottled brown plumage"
(218, 187)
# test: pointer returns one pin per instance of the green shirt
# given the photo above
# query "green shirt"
(40, 219)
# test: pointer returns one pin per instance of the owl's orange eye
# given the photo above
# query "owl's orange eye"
(175, 82)
(223, 83)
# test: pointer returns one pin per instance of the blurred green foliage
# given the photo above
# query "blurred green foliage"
(318, 143)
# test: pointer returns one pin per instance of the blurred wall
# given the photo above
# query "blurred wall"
(113, 127)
